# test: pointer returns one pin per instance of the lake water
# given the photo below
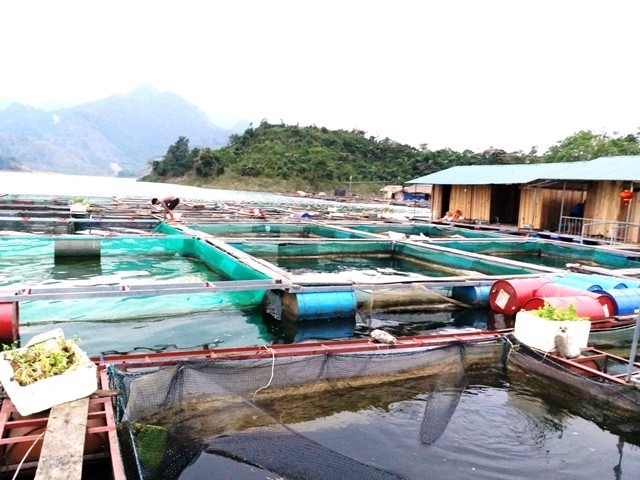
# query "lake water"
(500, 430)
(20, 183)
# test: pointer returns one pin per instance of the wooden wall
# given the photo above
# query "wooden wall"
(540, 208)
(604, 203)
(473, 200)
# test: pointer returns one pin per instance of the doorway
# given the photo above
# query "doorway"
(505, 204)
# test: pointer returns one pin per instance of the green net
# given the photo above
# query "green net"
(276, 230)
(546, 253)
(428, 231)
(77, 261)
(423, 259)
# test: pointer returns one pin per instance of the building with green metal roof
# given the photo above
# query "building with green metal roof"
(540, 196)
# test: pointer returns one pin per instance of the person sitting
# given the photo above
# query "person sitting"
(447, 216)
(168, 204)
(577, 210)
(452, 216)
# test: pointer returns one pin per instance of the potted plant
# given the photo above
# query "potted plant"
(538, 328)
(78, 205)
(49, 370)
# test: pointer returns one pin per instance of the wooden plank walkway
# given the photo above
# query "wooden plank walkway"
(63, 447)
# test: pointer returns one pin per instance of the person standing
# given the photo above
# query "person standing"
(168, 204)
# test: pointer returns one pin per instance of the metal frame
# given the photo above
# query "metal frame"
(105, 412)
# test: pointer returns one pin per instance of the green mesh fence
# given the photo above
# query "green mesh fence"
(546, 253)
(274, 230)
(425, 230)
(429, 258)
(67, 261)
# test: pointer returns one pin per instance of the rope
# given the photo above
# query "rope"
(512, 347)
(273, 365)
(15, 475)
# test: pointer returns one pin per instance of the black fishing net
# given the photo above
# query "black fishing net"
(237, 409)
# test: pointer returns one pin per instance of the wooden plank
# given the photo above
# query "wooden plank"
(63, 446)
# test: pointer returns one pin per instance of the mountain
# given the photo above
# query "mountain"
(116, 135)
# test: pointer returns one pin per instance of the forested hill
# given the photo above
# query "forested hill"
(316, 158)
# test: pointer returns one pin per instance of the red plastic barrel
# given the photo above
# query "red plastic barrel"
(585, 306)
(9, 321)
(557, 290)
(508, 296)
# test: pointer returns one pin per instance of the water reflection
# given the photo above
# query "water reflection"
(496, 432)
(216, 328)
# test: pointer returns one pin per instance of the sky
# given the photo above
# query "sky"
(460, 74)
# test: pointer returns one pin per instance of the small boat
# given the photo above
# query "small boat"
(597, 385)
(613, 332)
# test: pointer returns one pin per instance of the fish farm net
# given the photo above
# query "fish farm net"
(245, 414)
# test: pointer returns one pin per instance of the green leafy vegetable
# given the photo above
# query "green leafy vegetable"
(42, 360)
(550, 312)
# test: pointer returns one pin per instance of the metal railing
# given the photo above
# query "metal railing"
(605, 231)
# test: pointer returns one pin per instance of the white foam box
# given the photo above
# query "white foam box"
(78, 382)
(539, 333)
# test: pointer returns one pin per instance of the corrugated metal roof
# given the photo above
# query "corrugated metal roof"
(490, 174)
(625, 168)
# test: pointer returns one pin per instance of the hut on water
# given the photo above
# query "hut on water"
(542, 196)
(406, 193)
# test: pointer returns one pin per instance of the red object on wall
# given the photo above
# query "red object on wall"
(9, 322)
(626, 196)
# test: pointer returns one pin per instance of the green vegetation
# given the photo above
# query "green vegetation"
(42, 360)
(151, 442)
(549, 312)
(289, 157)
(586, 145)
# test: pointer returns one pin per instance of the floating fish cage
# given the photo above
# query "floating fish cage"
(383, 257)
(242, 414)
(68, 216)
(547, 253)
(121, 277)
(367, 275)
(417, 232)
(276, 230)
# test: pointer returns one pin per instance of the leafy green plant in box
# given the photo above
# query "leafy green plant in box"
(42, 360)
(550, 312)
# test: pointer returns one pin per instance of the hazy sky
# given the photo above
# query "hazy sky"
(461, 74)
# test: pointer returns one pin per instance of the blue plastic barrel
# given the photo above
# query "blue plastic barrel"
(320, 305)
(585, 282)
(625, 300)
(613, 282)
(319, 330)
(476, 296)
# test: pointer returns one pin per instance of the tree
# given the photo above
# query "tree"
(177, 161)
(208, 164)
(586, 145)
